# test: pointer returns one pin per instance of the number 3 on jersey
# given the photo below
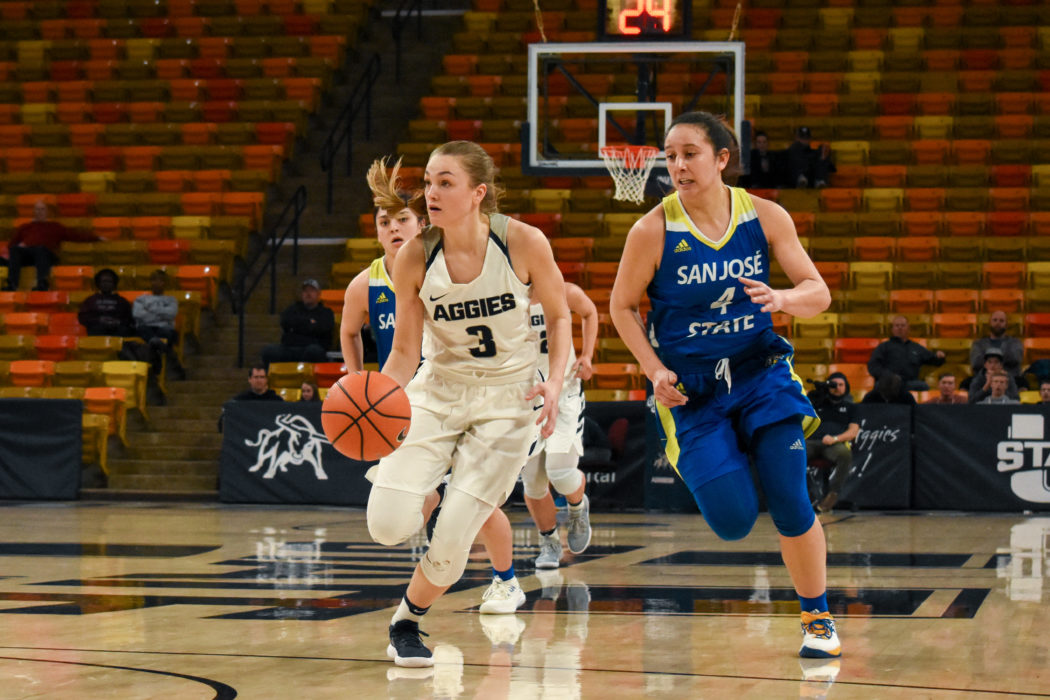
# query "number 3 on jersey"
(486, 347)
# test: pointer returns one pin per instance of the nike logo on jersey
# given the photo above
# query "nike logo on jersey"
(720, 270)
(797, 445)
(682, 247)
(475, 308)
(382, 298)
(439, 296)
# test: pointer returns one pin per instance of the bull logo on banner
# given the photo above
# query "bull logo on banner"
(294, 442)
(1027, 453)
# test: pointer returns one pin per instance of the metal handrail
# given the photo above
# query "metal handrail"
(296, 205)
(360, 97)
(398, 25)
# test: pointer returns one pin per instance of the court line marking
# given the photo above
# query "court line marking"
(386, 662)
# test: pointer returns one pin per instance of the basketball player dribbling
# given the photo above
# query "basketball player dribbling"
(475, 402)
(401, 216)
(556, 459)
(722, 379)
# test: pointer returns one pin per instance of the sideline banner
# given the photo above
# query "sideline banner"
(982, 457)
(882, 458)
(40, 448)
(276, 452)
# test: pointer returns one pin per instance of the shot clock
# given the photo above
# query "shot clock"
(646, 20)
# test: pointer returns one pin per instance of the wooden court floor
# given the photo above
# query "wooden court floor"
(207, 601)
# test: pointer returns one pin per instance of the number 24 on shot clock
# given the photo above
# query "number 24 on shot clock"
(646, 19)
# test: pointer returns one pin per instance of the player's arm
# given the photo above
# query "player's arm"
(403, 360)
(355, 315)
(581, 305)
(638, 264)
(809, 296)
(531, 254)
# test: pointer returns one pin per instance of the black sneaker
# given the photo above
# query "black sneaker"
(406, 648)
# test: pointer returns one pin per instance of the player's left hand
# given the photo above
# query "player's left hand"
(549, 411)
(771, 300)
(583, 368)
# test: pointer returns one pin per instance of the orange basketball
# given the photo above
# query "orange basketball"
(366, 415)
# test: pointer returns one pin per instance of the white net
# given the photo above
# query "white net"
(629, 167)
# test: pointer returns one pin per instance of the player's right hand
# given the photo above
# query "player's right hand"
(664, 389)
(548, 417)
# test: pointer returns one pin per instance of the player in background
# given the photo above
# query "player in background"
(722, 379)
(555, 460)
(475, 402)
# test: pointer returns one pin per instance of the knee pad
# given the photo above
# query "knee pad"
(458, 523)
(534, 477)
(562, 471)
(729, 504)
(393, 516)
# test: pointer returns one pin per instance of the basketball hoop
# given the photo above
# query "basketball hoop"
(629, 167)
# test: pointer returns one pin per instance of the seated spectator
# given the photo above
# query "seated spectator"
(307, 329)
(37, 243)
(766, 166)
(1012, 348)
(258, 386)
(1044, 391)
(947, 393)
(998, 381)
(889, 389)
(258, 390)
(903, 357)
(154, 315)
(106, 312)
(838, 425)
(806, 166)
(981, 384)
(309, 392)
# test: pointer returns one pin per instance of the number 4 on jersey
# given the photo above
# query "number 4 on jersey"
(725, 300)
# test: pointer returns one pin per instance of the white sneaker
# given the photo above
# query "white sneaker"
(502, 629)
(550, 551)
(819, 640)
(502, 597)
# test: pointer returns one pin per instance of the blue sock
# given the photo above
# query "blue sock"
(509, 574)
(815, 605)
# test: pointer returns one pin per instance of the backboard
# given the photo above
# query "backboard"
(582, 96)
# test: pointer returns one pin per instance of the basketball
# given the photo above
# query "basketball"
(366, 415)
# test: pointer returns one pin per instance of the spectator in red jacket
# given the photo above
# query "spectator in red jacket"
(36, 243)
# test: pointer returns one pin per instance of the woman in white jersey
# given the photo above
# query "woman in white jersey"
(556, 459)
(463, 296)
(370, 298)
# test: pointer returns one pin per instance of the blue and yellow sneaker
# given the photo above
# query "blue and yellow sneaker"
(819, 640)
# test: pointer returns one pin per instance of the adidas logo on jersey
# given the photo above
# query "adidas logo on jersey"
(797, 445)
(682, 247)
(382, 298)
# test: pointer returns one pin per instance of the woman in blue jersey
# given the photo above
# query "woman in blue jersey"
(400, 216)
(725, 391)
(369, 297)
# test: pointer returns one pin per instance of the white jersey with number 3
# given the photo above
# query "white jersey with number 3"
(478, 331)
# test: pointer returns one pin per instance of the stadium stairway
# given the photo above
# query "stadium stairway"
(176, 455)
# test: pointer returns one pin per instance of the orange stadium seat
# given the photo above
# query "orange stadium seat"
(911, 301)
(1009, 300)
(32, 372)
(955, 325)
(55, 347)
(855, 349)
(951, 301)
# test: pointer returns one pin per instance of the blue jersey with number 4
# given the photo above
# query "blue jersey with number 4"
(381, 305)
(700, 311)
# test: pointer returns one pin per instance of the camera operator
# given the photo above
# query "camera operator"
(838, 425)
